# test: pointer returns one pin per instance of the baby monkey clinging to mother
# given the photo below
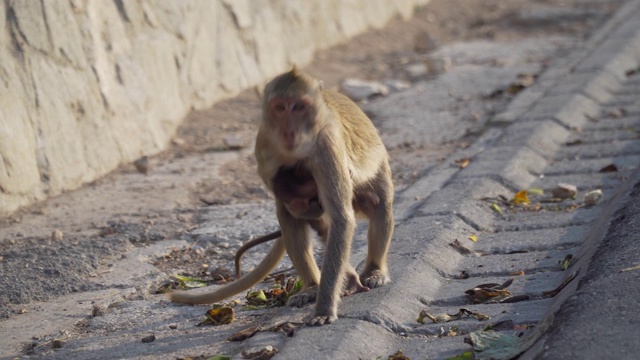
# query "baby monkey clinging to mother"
(338, 154)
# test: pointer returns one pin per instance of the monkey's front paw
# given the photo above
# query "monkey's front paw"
(319, 320)
(375, 278)
(303, 297)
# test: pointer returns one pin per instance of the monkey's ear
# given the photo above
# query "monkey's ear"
(320, 84)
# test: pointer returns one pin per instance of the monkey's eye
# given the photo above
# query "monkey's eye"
(279, 107)
(299, 106)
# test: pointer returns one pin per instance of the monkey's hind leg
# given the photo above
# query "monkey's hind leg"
(295, 235)
(376, 273)
(352, 284)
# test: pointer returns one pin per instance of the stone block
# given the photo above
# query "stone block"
(516, 166)
(614, 55)
(505, 242)
(544, 137)
(463, 198)
(599, 87)
(571, 110)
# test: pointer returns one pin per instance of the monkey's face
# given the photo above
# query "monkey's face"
(292, 120)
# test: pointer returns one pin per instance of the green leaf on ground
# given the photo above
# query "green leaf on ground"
(189, 282)
(219, 357)
(467, 355)
(496, 208)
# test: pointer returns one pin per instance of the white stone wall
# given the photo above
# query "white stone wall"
(88, 84)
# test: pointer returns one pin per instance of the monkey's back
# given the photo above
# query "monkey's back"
(364, 146)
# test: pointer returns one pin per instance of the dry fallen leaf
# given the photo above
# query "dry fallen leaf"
(463, 163)
(286, 327)
(566, 262)
(290, 284)
(443, 318)
(453, 331)
(565, 191)
(521, 198)
(496, 286)
(609, 168)
(256, 297)
(244, 334)
(526, 79)
(485, 293)
(632, 268)
(514, 299)
(263, 353)
(503, 325)
(280, 279)
(424, 314)
(264, 299)
(617, 113)
(513, 89)
(479, 295)
(473, 238)
(556, 291)
(219, 316)
(399, 356)
(462, 249)
(592, 197)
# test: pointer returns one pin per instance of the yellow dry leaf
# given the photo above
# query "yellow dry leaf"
(463, 163)
(398, 356)
(219, 316)
(521, 198)
(566, 262)
(473, 238)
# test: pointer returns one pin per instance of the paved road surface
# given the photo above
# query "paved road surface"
(579, 124)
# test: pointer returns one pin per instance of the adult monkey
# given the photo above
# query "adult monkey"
(326, 134)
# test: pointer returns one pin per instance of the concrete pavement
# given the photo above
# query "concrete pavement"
(581, 117)
(578, 124)
(600, 320)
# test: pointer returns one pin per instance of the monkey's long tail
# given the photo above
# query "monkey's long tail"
(249, 245)
(244, 283)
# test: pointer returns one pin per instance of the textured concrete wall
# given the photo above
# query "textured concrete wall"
(88, 84)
